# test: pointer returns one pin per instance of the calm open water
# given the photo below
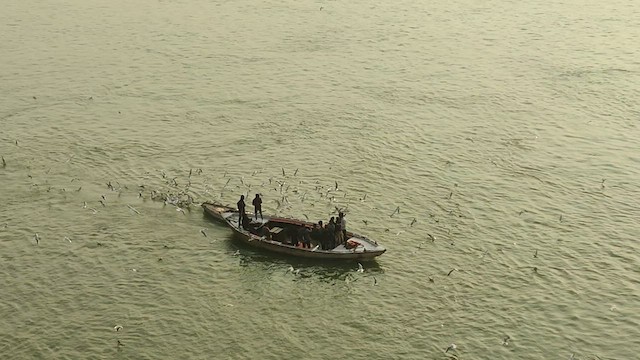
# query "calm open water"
(507, 129)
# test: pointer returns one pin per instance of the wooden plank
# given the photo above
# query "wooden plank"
(275, 230)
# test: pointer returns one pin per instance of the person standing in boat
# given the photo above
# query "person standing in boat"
(343, 226)
(330, 234)
(241, 211)
(257, 207)
(337, 235)
(317, 234)
(306, 236)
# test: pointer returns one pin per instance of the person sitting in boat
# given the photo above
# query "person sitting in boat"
(293, 239)
(304, 237)
(246, 222)
(297, 236)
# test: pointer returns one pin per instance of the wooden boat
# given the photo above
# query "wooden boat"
(276, 234)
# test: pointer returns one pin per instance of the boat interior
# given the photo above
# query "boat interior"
(284, 233)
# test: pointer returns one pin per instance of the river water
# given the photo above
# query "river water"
(508, 130)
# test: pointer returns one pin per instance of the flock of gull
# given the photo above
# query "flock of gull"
(325, 199)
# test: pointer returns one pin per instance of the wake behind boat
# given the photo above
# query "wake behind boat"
(279, 235)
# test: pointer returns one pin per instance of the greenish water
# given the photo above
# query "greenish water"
(506, 129)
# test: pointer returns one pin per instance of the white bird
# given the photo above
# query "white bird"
(236, 253)
(84, 205)
(505, 341)
(117, 328)
(67, 238)
(37, 238)
(451, 347)
(360, 268)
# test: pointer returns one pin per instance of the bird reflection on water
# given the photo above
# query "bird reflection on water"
(327, 271)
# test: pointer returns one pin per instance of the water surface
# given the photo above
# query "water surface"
(506, 129)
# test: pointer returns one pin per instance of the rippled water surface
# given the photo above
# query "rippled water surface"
(508, 131)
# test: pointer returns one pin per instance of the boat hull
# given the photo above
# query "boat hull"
(368, 250)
